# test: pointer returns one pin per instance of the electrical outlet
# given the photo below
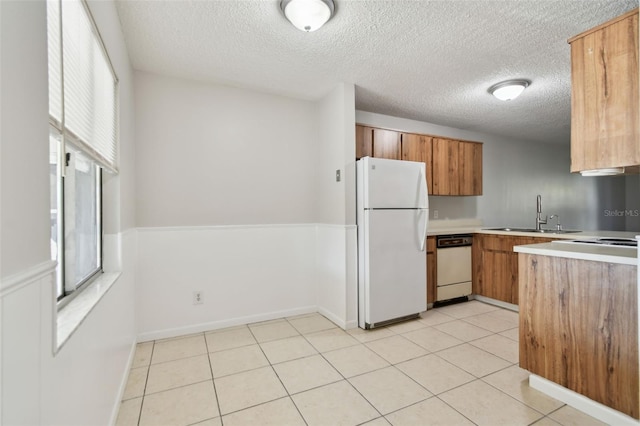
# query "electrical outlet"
(435, 214)
(198, 297)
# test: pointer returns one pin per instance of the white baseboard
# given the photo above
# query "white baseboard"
(580, 402)
(215, 325)
(123, 385)
(332, 317)
(500, 303)
(352, 324)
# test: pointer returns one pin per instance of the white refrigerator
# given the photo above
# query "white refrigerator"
(392, 218)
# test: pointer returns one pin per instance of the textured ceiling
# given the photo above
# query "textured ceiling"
(424, 60)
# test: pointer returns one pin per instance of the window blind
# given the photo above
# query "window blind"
(88, 115)
(55, 75)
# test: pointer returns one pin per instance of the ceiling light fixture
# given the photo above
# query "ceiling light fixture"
(613, 171)
(508, 90)
(307, 15)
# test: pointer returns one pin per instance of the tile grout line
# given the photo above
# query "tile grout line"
(512, 397)
(486, 375)
(259, 344)
(338, 371)
(144, 392)
(344, 378)
(215, 391)
(278, 376)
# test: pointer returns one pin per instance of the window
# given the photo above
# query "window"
(82, 142)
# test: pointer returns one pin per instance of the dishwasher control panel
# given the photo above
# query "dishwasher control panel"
(445, 241)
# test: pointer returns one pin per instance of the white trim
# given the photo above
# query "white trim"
(351, 324)
(223, 227)
(215, 325)
(580, 402)
(495, 302)
(335, 226)
(333, 318)
(123, 385)
(247, 226)
(67, 319)
(26, 277)
(126, 231)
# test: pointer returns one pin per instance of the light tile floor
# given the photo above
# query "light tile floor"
(458, 365)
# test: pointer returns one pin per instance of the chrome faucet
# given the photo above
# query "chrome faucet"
(558, 225)
(539, 220)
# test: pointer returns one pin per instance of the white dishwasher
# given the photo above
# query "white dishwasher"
(453, 266)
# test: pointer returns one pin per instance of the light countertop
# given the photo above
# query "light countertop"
(610, 254)
(471, 226)
(570, 236)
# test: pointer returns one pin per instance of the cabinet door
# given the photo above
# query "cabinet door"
(431, 269)
(604, 96)
(499, 275)
(496, 265)
(445, 166)
(386, 144)
(470, 168)
(364, 141)
(418, 148)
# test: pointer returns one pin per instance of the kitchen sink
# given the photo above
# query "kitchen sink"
(553, 231)
(539, 231)
(511, 229)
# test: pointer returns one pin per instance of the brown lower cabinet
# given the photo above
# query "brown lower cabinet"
(431, 269)
(495, 265)
(579, 327)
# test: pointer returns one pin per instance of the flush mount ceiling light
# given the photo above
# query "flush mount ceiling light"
(307, 15)
(508, 90)
(614, 171)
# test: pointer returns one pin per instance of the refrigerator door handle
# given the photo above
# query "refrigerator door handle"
(423, 241)
(423, 186)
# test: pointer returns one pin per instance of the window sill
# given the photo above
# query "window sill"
(69, 317)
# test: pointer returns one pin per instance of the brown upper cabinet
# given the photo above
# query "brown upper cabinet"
(364, 141)
(418, 148)
(470, 163)
(604, 96)
(457, 167)
(378, 143)
(453, 167)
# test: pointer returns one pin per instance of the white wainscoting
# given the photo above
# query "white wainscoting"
(245, 273)
(336, 264)
(84, 381)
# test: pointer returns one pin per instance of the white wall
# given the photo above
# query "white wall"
(336, 237)
(632, 207)
(216, 155)
(226, 204)
(514, 173)
(81, 384)
(25, 214)
(236, 197)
